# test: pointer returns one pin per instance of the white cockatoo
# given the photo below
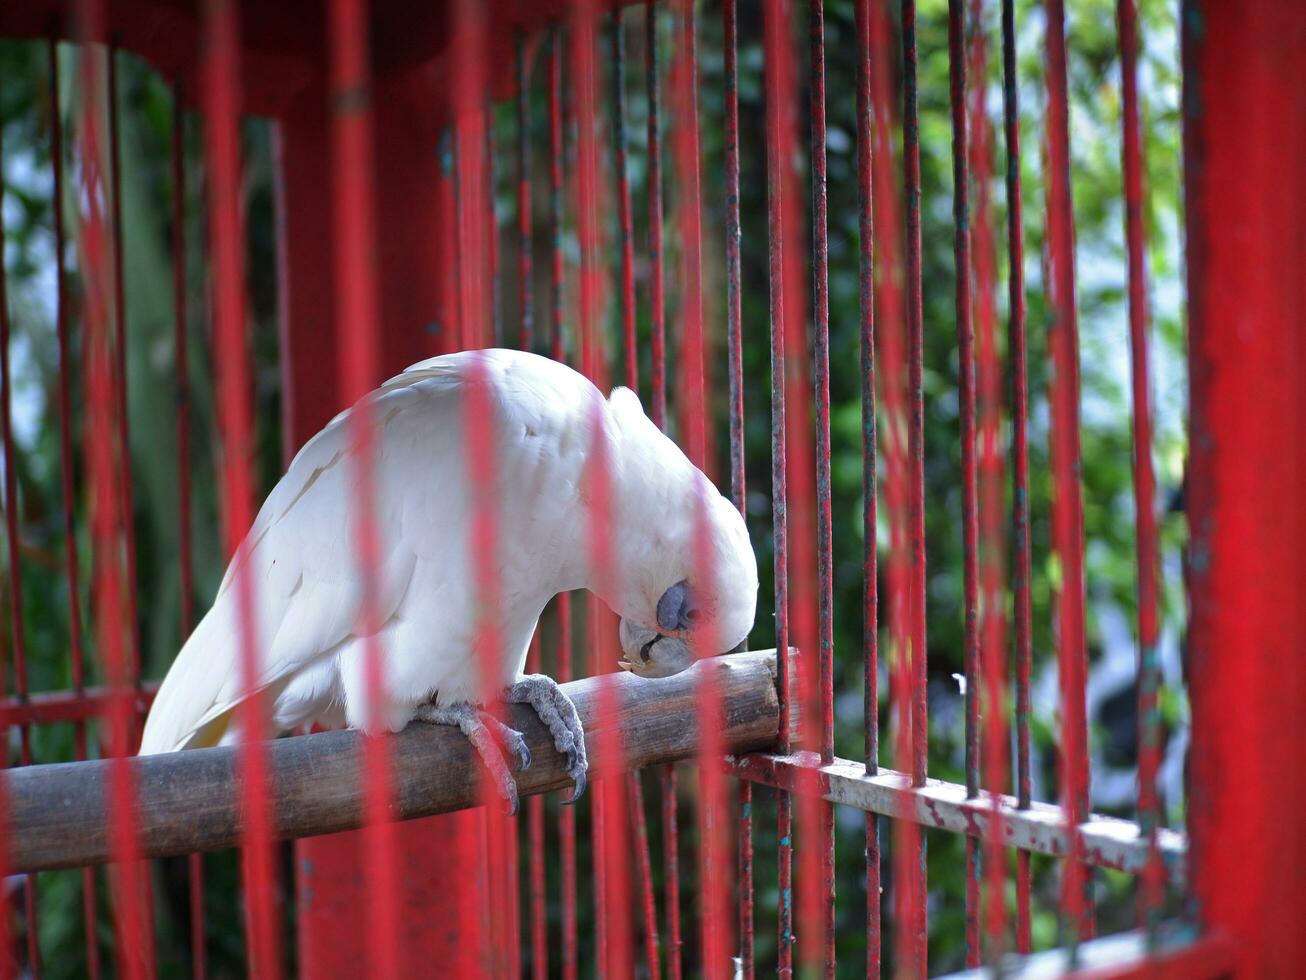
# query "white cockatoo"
(308, 590)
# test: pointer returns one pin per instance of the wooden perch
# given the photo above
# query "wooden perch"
(190, 801)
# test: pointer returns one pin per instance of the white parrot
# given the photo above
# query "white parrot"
(308, 590)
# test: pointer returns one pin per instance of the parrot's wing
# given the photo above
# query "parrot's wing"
(304, 582)
(299, 554)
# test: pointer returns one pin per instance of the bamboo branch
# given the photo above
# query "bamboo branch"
(190, 801)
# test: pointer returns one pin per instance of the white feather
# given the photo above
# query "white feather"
(300, 555)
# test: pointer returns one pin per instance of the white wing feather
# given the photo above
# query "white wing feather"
(304, 578)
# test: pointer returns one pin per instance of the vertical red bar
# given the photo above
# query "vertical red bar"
(186, 576)
(488, 925)
(657, 301)
(120, 340)
(630, 358)
(734, 359)
(657, 354)
(892, 345)
(18, 632)
(539, 924)
(779, 86)
(630, 353)
(496, 336)
(611, 851)
(359, 330)
(67, 465)
(1067, 501)
(992, 542)
(1244, 139)
(221, 101)
(134, 951)
(918, 926)
(969, 478)
(1148, 546)
(820, 907)
(870, 557)
(714, 866)
(558, 346)
(793, 483)
(1016, 347)
(525, 299)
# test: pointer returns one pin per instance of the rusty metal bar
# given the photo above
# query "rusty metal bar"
(917, 890)
(779, 75)
(1019, 375)
(1104, 841)
(15, 605)
(991, 486)
(221, 100)
(630, 351)
(1178, 955)
(1067, 492)
(134, 950)
(1145, 519)
(657, 355)
(961, 251)
(17, 629)
(358, 326)
(120, 340)
(537, 871)
(824, 902)
(181, 378)
(657, 300)
(67, 465)
(870, 556)
(558, 347)
(735, 412)
(191, 800)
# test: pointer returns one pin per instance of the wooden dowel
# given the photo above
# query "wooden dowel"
(189, 801)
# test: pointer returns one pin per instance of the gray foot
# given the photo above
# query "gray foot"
(559, 715)
(481, 729)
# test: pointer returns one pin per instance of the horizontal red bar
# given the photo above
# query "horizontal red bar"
(1177, 954)
(53, 707)
(1104, 841)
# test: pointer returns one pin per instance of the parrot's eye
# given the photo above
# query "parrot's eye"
(674, 607)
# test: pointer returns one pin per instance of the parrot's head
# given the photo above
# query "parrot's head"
(691, 578)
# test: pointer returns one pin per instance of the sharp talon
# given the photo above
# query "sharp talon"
(524, 753)
(511, 805)
(579, 791)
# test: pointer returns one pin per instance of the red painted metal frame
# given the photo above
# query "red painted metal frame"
(186, 576)
(68, 501)
(221, 100)
(991, 492)
(359, 329)
(866, 155)
(1145, 519)
(17, 629)
(1067, 492)
(1019, 381)
(913, 924)
(1244, 137)
(961, 252)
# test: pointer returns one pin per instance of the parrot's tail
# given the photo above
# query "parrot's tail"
(190, 710)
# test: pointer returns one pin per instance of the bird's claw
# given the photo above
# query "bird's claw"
(582, 782)
(559, 715)
(482, 729)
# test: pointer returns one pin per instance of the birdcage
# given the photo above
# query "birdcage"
(730, 209)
